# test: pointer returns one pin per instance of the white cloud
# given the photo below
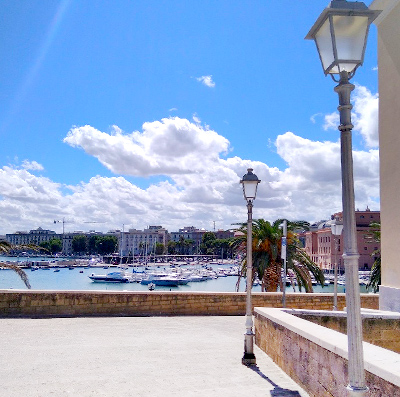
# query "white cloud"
(314, 117)
(167, 147)
(196, 119)
(199, 183)
(206, 80)
(331, 121)
(365, 115)
(32, 165)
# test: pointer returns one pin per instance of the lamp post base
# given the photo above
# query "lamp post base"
(356, 391)
(249, 359)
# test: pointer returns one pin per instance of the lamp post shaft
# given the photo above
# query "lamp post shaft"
(249, 357)
(335, 277)
(356, 385)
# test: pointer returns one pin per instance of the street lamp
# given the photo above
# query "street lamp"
(249, 183)
(336, 229)
(340, 34)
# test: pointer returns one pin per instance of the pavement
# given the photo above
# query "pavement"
(134, 356)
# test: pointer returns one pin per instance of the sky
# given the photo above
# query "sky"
(125, 114)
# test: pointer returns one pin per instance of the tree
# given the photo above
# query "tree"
(375, 276)
(171, 247)
(160, 248)
(92, 244)
(267, 262)
(5, 248)
(79, 244)
(106, 245)
(55, 245)
(208, 243)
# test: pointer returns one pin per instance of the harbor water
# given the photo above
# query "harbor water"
(77, 279)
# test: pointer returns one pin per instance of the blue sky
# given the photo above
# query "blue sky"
(149, 112)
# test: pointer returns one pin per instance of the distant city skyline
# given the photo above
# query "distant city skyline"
(143, 113)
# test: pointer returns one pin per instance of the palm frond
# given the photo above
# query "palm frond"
(19, 271)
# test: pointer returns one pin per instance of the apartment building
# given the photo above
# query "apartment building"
(139, 242)
(35, 236)
(324, 248)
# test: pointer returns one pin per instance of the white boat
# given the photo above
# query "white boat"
(112, 277)
(165, 280)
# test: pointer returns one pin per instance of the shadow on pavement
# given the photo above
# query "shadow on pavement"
(278, 391)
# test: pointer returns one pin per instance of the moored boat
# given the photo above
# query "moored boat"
(112, 277)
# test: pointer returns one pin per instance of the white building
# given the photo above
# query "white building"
(139, 242)
(36, 236)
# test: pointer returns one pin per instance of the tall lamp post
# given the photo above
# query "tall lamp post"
(249, 182)
(336, 229)
(340, 34)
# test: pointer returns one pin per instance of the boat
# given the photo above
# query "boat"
(112, 277)
(165, 280)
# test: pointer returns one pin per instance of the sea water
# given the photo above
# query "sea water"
(77, 279)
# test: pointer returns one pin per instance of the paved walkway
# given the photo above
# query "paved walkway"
(134, 356)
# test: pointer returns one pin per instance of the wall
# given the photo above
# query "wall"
(389, 147)
(316, 357)
(104, 303)
(378, 329)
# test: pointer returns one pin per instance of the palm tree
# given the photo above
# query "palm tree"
(375, 276)
(267, 262)
(5, 248)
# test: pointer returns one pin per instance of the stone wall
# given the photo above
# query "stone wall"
(316, 357)
(381, 329)
(104, 303)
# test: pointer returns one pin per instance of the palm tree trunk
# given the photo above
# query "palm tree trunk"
(272, 277)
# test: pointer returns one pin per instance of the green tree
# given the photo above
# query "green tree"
(92, 245)
(106, 244)
(160, 248)
(267, 261)
(171, 247)
(375, 276)
(208, 243)
(79, 244)
(55, 245)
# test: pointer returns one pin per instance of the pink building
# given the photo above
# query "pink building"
(324, 248)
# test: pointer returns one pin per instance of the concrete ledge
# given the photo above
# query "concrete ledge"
(380, 328)
(28, 303)
(389, 298)
(316, 357)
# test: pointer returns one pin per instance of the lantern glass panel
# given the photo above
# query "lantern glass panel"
(323, 40)
(250, 189)
(350, 35)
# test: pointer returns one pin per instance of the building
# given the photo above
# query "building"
(189, 233)
(67, 239)
(35, 236)
(141, 242)
(326, 249)
(389, 148)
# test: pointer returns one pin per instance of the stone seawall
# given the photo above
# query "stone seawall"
(20, 303)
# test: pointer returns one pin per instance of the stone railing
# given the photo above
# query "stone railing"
(28, 303)
(316, 357)
(379, 328)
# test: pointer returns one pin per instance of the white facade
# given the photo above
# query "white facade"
(35, 236)
(389, 147)
(139, 242)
